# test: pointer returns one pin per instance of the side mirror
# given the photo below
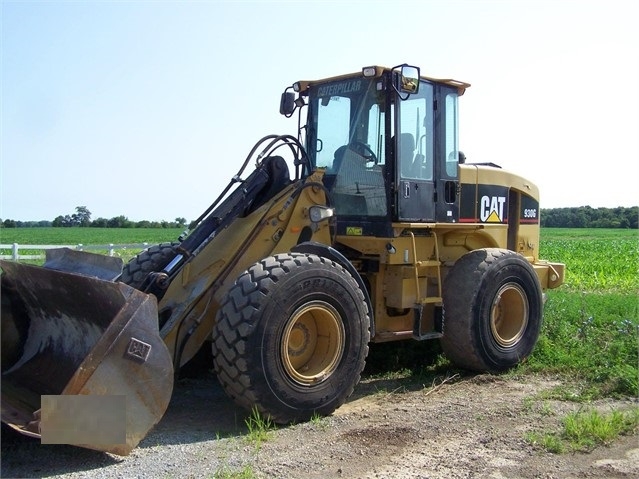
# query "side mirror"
(409, 79)
(287, 103)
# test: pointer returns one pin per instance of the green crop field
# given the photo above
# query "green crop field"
(591, 323)
(87, 236)
(597, 260)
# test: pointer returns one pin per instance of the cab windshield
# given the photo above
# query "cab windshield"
(347, 137)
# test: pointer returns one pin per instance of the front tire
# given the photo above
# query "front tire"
(291, 337)
(493, 308)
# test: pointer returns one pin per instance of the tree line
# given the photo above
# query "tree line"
(575, 217)
(82, 218)
(587, 217)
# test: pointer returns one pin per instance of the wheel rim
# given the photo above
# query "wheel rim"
(313, 343)
(509, 315)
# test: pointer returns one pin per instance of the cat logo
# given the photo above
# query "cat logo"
(491, 209)
(354, 231)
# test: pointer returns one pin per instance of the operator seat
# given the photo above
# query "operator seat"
(331, 171)
(406, 153)
(338, 157)
(351, 178)
(351, 169)
(358, 189)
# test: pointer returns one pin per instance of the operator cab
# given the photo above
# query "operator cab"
(388, 141)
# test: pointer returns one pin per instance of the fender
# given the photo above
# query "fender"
(331, 253)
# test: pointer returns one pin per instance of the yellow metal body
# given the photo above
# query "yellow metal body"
(414, 262)
(411, 271)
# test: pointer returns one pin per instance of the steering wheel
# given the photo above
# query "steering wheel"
(362, 149)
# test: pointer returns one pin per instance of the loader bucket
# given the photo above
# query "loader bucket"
(68, 336)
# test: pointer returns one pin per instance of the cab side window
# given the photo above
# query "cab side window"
(415, 144)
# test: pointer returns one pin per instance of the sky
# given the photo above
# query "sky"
(147, 108)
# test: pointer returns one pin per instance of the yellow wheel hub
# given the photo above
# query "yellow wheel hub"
(509, 315)
(313, 343)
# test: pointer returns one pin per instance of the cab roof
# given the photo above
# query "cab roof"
(304, 85)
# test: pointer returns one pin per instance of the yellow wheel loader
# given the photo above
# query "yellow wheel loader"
(368, 226)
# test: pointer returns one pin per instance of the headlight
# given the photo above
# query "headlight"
(318, 213)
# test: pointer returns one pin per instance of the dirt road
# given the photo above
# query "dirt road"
(460, 427)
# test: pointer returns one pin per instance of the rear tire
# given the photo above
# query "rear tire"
(150, 260)
(291, 337)
(492, 310)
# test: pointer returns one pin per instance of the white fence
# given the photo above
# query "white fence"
(109, 249)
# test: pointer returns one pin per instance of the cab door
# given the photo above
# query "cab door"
(414, 147)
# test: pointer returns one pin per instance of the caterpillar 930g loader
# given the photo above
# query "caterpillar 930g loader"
(378, 231)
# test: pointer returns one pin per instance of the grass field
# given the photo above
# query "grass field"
(591, 323)
(590, 329)
(87, 236)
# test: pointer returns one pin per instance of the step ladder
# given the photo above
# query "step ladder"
(434, 264)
